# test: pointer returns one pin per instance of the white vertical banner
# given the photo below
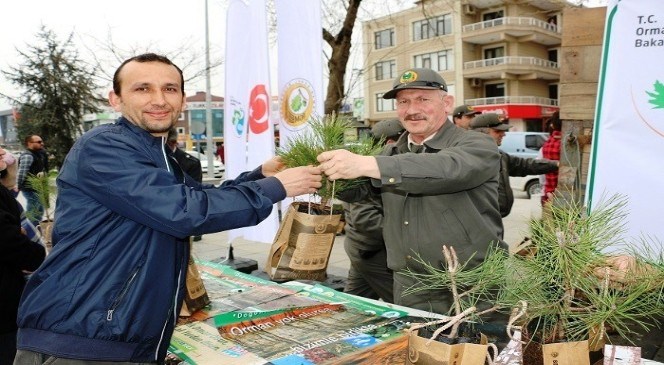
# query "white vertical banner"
(237, 93)
(300, 76)
(628, 136)
(260, 146)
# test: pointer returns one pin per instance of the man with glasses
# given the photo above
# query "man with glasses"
(446, 193)
(33, 161)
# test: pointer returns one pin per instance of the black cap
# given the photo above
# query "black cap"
(417, 78)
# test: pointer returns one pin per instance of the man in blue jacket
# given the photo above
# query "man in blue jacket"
(112, 288)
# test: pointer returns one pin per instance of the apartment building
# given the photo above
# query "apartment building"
(496, 55)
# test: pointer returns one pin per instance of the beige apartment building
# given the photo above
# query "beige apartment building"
(497, 55)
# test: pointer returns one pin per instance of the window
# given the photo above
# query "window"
(384, 38)
(384, 105)
(494, 52)
(437, 61)
(553, 91)
(552, 24)
(535, 141)
(494, 90)
(197, 115)
(386, 70)
(429, 28)
(494, 56)
(493, 15)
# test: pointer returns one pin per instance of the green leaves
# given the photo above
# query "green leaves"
(41, 184)
(569, 282)
(657, 96)
(58, 89)
(327, 134)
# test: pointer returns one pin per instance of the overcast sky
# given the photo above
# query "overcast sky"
(166, 24)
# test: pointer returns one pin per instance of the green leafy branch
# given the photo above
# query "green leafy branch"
(573, 288)
(569, 282)
(327, 134)
(469, 286)
(41, 184)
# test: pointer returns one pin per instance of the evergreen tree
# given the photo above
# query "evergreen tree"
(59, 88)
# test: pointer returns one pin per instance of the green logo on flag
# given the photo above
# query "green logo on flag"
(657, 95)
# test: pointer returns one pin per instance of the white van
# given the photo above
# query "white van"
(523, 144)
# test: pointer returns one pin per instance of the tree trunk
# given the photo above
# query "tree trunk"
(340, 45)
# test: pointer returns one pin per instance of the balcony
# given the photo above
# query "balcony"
(525, 107)
(537, 100)
(512, 29)
(518, 68)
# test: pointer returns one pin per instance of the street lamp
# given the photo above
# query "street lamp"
(209, 152)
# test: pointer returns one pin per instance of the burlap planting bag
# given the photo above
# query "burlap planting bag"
(430, 351)
(302, 245)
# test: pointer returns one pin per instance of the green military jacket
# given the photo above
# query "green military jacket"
(445, 196)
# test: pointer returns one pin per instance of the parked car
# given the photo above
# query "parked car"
(529, 184)
(523, 144)
(219, 167)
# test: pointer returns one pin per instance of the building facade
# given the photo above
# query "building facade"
(496, 55)
(8, 133)
(195, 116)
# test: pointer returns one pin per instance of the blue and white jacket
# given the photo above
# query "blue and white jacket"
(112, 288)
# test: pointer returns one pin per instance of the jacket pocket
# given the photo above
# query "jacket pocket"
(123, 293)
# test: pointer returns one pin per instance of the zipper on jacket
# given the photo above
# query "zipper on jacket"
(163, 152)
(175, 314)
(123, 293)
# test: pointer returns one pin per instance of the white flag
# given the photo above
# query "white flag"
(237, 93)
(628, 140)
(300, 78)
(261, 129)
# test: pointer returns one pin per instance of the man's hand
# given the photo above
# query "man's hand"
(300, 180)
(272, 166)
(342, 164)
